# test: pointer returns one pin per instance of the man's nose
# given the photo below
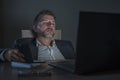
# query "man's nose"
(50, 24)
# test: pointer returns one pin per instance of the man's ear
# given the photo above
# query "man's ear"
(34, 28)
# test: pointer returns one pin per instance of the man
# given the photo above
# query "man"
(43, 47)
(11, 55)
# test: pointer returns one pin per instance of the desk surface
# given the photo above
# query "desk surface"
(9, 73)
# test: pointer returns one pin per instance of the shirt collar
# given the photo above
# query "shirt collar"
(38, 43)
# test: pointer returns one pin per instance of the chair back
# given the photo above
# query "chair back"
(29, 34)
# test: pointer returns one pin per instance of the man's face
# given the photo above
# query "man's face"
(46, 27)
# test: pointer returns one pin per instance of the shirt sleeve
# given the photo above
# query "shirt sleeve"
(1, 54)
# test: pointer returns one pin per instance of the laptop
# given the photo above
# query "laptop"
(98, 42)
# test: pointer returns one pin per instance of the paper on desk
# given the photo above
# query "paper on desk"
(24, 65)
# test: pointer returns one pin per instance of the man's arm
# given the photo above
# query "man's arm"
(1, 54)
(1, 50)
(11, 55)
(26, 46)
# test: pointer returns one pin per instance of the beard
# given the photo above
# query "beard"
(47, 36)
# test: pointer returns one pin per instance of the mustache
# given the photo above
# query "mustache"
(48, 29)
(42, 33)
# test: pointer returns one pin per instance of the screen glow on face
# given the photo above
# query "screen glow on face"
(48, 22)
(46, 28)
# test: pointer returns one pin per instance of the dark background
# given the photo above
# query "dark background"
(19, 14)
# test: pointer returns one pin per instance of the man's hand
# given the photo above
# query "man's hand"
(13, 55)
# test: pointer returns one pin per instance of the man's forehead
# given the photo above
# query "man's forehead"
(47, 17)
(47, 20)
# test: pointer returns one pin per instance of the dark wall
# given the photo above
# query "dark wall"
(1, 24)
(19, 14)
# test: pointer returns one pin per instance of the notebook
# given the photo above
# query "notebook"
(15, 64)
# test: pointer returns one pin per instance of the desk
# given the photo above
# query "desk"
(8, 73)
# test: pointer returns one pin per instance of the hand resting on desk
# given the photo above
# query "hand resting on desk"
(13, 55)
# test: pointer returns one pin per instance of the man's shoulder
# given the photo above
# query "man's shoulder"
(1, 50)
(63, 42)
(24, 40)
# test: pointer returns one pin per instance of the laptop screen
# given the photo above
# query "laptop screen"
(98, 42)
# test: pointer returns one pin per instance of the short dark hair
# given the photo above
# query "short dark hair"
(41, 14)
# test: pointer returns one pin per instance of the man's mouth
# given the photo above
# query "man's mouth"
(49, 30)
